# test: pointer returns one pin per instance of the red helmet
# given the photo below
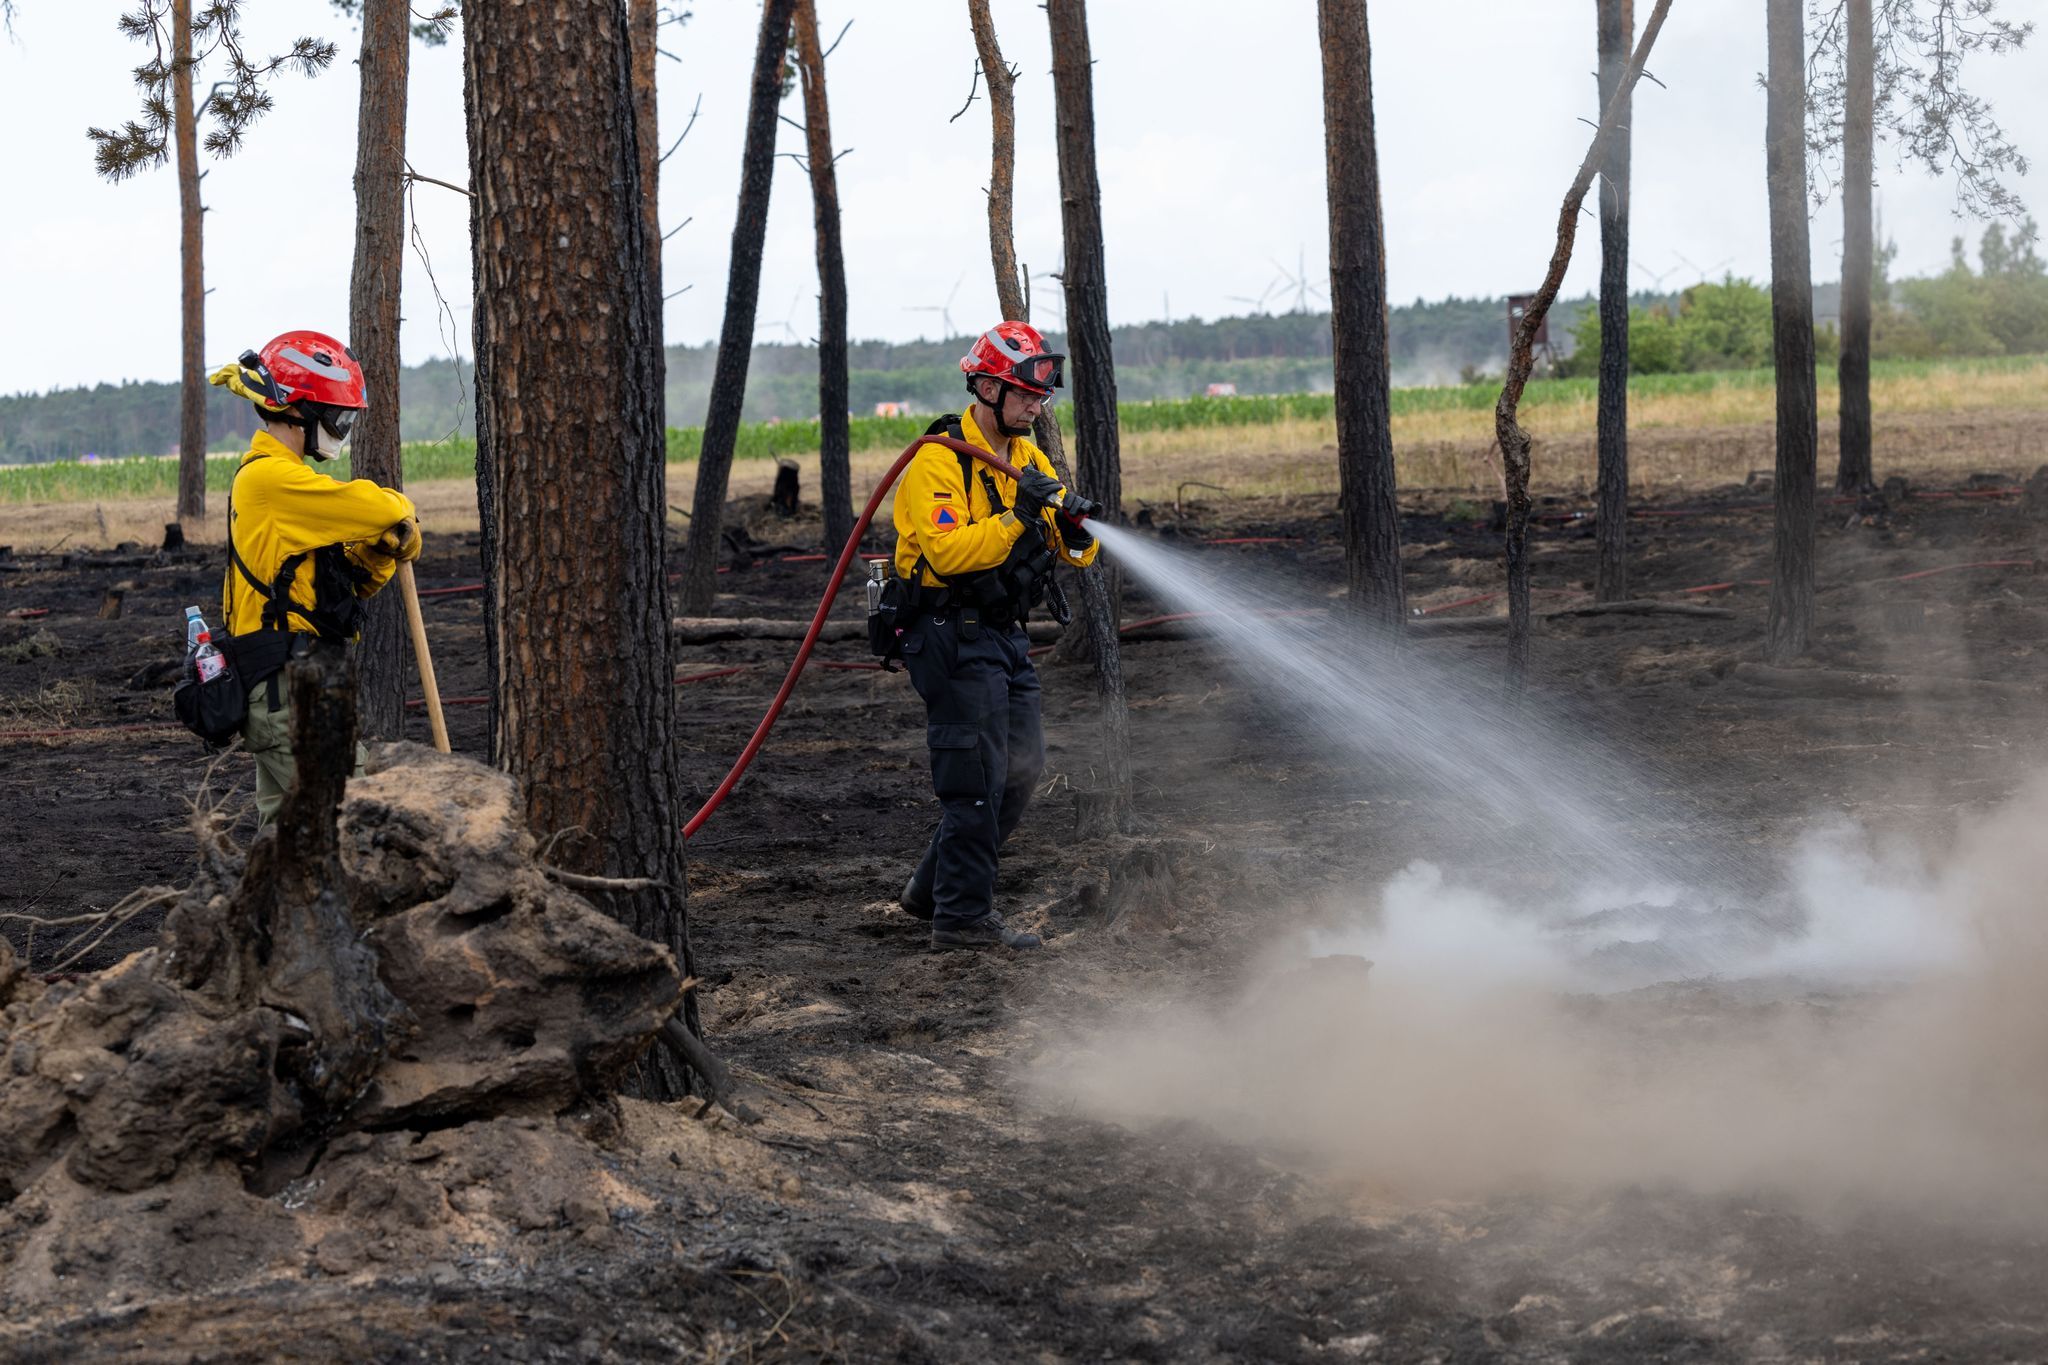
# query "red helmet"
(1015, 353)
(313, 367)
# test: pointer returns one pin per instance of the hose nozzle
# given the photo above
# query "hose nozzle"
(1078, 507)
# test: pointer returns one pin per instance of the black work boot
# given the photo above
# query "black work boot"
(986, 932)
(916, 899)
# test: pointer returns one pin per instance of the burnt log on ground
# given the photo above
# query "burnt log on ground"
(390, 953)
(1468, 625)
(705, 630)
(1837, 682)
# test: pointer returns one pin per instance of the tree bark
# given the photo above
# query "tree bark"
(373, 314)
(570, 426)
(1002, 182)
(1507, 429)
(1616, 31)
(1789, 629)
(1859, 116)
(835, 432)
(643, 22)
(1358, 321)
(742, 296)
(1097, 465)
(192, 291)
(1002, 172)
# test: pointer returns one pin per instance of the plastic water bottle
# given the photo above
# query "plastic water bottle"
(207, 661)
(195, 626)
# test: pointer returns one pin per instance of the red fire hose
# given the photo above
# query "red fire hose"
(832, 591)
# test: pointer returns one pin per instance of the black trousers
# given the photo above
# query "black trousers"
(987, 743)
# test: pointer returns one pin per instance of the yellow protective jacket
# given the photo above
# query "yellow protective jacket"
(950, 524)
(279, 508)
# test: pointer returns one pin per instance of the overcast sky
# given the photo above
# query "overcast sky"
(1209, 128)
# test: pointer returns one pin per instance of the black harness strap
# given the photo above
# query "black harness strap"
(334, 612)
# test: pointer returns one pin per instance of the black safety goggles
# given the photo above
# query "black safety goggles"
(1041, 371)
(335, 421)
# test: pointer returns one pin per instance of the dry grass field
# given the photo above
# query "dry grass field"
(1931, 422)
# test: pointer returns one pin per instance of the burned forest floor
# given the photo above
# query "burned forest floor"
(918, 1180)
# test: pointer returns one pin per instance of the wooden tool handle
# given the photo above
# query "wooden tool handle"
(418, 625)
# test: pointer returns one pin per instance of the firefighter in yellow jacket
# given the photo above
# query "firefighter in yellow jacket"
(304, 549)
(977, 550)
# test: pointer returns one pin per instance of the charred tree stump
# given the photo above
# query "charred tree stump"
(287, 938)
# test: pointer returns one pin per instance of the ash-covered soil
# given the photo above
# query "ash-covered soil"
(908, 1192)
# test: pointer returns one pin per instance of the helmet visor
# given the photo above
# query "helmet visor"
(1045, 372)
(335, 421)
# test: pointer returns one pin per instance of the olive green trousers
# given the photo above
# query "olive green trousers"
(267, 736)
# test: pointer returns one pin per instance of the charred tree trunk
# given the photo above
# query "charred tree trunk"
(742, 295)
(643, 20)
(1507, 429)
(1616, 25)
(1097, 466)
(1859, 117)
(373, 313)
(835, 438)
(192, 290)
(1010, 297)
(1789, 629)
(569, 403)
(1358, 321)
(1002, 171)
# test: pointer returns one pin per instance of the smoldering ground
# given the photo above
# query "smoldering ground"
(1890, 1052)
(1864, 1025)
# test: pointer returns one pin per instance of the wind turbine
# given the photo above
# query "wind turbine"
(944, 310)
(1725, 260)
(1298, 281)
(1258, 305)
(788, 323)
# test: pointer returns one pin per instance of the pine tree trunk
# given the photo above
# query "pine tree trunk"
(569, 403)
(1092, 373)
(1855, 470)
(1358, 320)
(643, 20)
(835, 439)
(1002, 185)
(192, 293)
(742, 296)
(1789, 629)
(1616, 35)
(1002, 174)
(373, 313)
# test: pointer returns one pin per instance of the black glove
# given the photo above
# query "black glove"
(1036, 491)
(1074, 533)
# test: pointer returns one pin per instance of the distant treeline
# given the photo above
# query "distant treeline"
(2001, 308)
(1264, 353)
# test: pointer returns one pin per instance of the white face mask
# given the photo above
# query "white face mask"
(321, 444)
